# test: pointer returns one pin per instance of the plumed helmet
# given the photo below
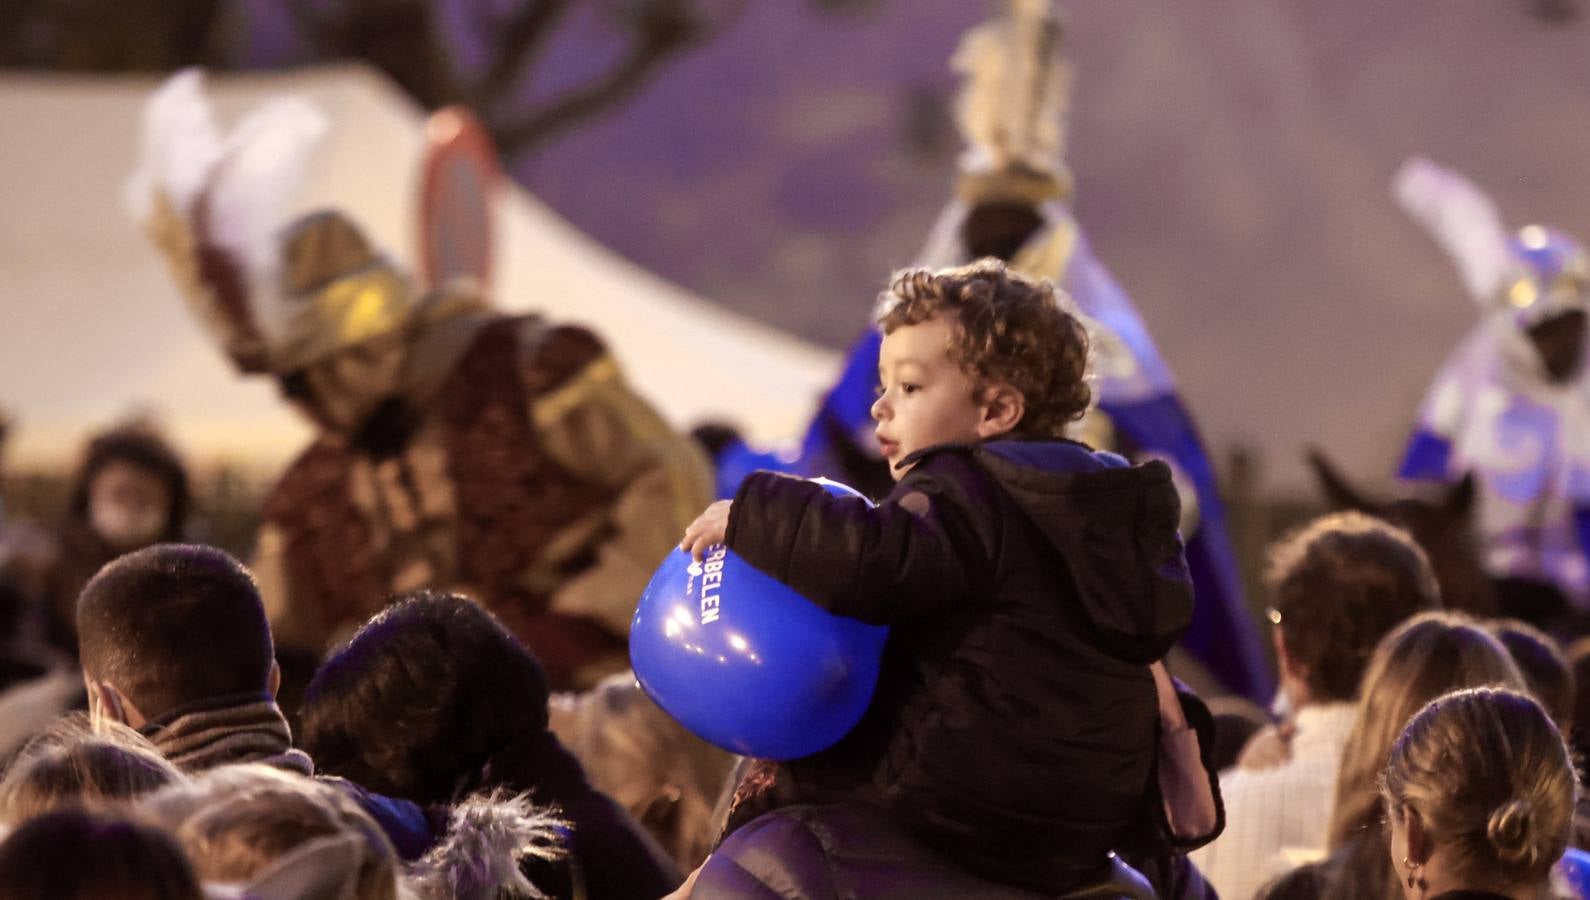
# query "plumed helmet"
(1012, 107)
(336, 291)
(1550, 274)
(276, 299)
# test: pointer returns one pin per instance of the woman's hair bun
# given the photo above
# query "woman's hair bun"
(1511, 832)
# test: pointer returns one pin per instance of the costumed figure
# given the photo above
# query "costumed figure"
(502, 457)
(1512, 403)
(1011, 203)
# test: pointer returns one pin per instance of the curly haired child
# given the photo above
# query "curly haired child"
(1029, 582)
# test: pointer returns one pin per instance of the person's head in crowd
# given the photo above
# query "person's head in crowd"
(1338, 585)
(421, 697)
(1544, 666)
(170, 626)
(131, 490)
(974, 353)
(74, 854)
(1578, 654)
(1427, 656)
(433, 699)
(671, 780)
(78, 763)
(243, 823)
(1479, 793)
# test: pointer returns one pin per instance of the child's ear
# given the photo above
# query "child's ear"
(1003, 407)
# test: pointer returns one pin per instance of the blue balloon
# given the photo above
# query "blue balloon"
(1574, 867)
(748, 664)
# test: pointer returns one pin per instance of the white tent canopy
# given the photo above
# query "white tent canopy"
(94, 329)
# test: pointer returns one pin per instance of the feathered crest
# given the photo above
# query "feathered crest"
(488, 835)
(212, 205)
(242, 181)
(1013, 105)
(180, 146)
(1463, 221)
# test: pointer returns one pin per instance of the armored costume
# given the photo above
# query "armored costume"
(502, 457)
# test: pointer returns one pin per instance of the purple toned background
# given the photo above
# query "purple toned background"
(1232, 158)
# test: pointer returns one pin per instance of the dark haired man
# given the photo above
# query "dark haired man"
(174, 642)
(1338, 586)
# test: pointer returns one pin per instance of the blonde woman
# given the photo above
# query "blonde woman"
(1479, 796)
(1429, 655)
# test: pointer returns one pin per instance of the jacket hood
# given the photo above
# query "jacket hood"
(1115, 525)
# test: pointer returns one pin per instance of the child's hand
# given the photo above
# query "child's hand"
(708, 529)
(1171, 717)
(1188, 793)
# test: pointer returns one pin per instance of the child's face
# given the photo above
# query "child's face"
(926, 398)
(128, 505)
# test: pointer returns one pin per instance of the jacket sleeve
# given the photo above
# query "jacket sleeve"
(600, 430)
(913, 554)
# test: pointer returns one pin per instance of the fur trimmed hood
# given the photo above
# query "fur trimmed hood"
(488, 836)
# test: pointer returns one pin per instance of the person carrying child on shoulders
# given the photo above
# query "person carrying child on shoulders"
(1029, 582)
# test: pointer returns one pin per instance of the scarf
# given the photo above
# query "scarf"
(241, 728)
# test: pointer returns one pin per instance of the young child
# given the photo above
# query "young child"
(102, 767)
(75, 854)
(1029, 581)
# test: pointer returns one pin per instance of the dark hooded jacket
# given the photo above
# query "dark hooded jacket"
(1028, 585)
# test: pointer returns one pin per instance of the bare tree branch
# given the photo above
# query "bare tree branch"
(541, 124)
(404, 38)
(397, 36)
(520, 41)
(668, 30)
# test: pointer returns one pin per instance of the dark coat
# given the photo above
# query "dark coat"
(1028, 585)
(615, 859)
(841, 852)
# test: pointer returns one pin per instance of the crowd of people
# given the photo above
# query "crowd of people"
(1025, 738)
(418, 685)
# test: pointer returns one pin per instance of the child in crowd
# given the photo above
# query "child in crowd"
(247, 823)
(1029, 582)
(666, 777)
(72, 854)
(253, 830)
(76, 763)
